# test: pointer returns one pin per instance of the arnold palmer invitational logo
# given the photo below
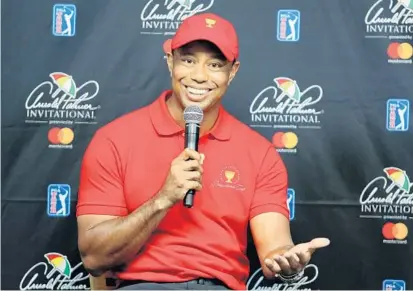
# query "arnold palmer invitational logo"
(391, 19)
(61, 101)
(163, 17)
(286, 105)
(388, 196)
(258, 282)
(55, 273)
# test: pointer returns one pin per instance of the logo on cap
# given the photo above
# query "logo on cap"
(210, 22)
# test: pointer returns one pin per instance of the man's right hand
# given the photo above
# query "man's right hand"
(185, 174)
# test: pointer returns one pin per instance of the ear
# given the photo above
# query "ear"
(234, 71)
(170, 61)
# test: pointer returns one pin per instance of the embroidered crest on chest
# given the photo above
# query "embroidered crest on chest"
(229, 177)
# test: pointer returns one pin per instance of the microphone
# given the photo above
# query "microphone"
(193, 116)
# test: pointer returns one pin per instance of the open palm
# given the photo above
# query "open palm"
(296, 258)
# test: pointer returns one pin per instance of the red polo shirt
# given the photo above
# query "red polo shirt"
(126, 164)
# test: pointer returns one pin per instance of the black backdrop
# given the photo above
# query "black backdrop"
(341, 128)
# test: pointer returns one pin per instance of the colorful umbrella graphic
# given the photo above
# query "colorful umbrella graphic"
(185, 3)
(289, 87)
(407, 3)
(398, 177)
(60, 263)
(64, 82)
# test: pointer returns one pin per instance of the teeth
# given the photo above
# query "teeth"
(197, 91)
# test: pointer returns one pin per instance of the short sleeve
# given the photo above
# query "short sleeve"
(271, 186)
(100, 185)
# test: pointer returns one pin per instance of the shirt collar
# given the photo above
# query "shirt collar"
(165, 125)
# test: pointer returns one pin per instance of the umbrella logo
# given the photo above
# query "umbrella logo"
(289, 87)
(65, 83)
(284, 104)
(407, 4)
(60, 263)
(186, 3)
(391, 14)
(392, 189)
(164, 19)
(60, 98)
(54, 273)
(398, 177)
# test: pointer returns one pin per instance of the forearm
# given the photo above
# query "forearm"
(117, 241)
(272, 236)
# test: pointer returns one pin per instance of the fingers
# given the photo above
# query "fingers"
(314, 244)
(193, 179)
(284, 264)
(189, 154)
(195, 185)
(288, 263)
(300, 256)
(192, 165)
(301, 252)
(272, 265)
(320, 242)
(190, 162)
(194, 176)
(294, 261)
(304, 257)
(296, 258)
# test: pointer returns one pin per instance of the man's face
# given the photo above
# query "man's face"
(200, 74)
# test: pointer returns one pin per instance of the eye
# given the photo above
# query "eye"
(216, 65)
(187, 61)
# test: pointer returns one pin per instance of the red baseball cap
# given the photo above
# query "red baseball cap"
(209, 27)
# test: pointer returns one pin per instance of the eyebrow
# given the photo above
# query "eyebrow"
(188, 52)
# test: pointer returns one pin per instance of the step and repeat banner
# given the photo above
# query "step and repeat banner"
(329, 82)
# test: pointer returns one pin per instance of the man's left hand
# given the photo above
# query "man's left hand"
(295, 259)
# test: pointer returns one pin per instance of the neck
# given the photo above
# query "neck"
(177, 112)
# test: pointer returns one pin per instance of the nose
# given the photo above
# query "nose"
(199, 74)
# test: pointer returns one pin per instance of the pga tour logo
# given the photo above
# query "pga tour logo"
(398, 115)
(64, 20)
(58, 200)
(392, 284)
(291, 202)
(288, 28)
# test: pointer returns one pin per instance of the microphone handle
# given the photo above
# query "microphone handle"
(191, 142)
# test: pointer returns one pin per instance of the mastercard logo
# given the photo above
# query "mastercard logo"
(61, 135)
(402, 51)
(287, 140)
(397, 231)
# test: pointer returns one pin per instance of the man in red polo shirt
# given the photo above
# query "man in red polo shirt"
(135, 174)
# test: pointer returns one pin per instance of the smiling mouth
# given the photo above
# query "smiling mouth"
(196, 94)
